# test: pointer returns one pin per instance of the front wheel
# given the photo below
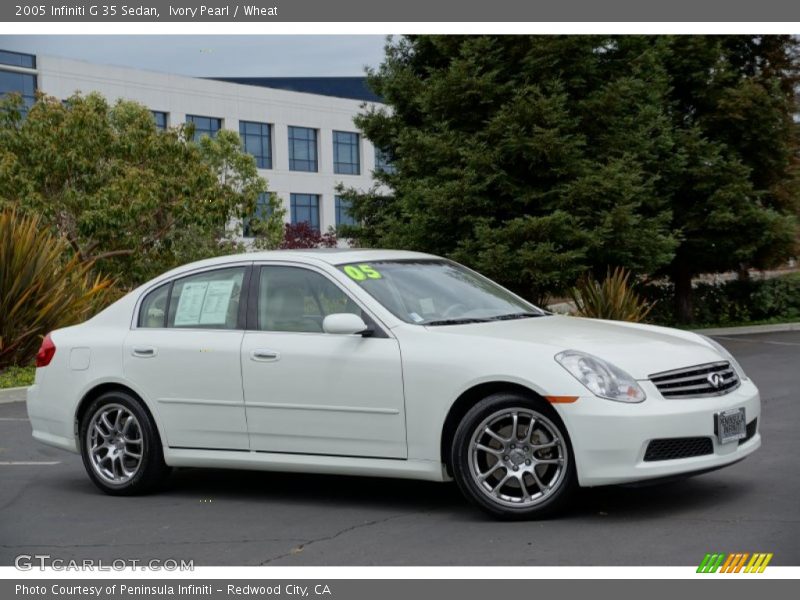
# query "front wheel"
(120, 446)
(512, 457)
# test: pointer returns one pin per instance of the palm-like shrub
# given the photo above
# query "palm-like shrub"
(40, 288)
(613, 298)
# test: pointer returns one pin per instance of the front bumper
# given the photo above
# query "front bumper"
(609, 439)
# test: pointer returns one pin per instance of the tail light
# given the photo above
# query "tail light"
(46, 352)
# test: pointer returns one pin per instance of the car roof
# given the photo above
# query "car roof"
(333, 256)
(340, 256)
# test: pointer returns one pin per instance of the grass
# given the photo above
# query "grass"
(17, 377)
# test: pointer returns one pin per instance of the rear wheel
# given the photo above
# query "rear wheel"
(120, 446)
(512, 457)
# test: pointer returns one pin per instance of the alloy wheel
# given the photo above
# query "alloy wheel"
(115, 444)
(518, 457)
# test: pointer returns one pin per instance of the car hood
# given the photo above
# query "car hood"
(640, 350)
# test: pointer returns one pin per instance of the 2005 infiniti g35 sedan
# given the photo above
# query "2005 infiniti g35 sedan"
(383, 363)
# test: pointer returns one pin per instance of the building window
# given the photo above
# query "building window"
(16, 59)
(161, 120)
(343, 216)
(346, 155)
(204, 126)
(257, 141)
(302, 149)
(305, 209)
(262, 212)
(19, 83)
(383, 161)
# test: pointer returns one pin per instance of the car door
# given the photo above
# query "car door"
(184, 355)
(311, 392)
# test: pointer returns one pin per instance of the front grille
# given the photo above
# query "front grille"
(712, 379)
(751, 429)
(671, 448)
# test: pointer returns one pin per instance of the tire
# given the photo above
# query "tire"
(120, 446)
(488, 470)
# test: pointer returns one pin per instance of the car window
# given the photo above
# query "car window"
(153, 311)
(436, 291)
(208, 300)
(296, 299)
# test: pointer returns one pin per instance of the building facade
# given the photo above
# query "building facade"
(302, 138)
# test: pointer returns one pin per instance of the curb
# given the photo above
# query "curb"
(15, 394)
(749, 329)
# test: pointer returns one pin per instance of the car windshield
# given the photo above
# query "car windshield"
(437, 292)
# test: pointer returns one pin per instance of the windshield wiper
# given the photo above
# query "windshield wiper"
(461, 321)
(518, 315)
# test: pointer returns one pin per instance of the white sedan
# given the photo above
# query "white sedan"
(383, 363)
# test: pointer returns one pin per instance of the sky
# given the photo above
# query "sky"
(215, 55)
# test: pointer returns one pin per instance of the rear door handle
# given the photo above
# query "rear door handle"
(264, 355)
(143, 351)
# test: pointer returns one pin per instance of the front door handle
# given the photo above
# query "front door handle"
(264, 355)
(143, 351)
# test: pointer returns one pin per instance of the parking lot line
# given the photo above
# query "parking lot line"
(13, 419)
(12, 463)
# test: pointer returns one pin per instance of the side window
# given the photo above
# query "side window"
(153, 311)
(208, 300)
(295, 299)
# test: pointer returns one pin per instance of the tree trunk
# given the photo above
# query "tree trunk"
(682, 278)
(743, 273)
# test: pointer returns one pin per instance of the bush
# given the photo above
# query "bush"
(303, 235)
(15, 376)
(732, 302)
(613, 298)
(39, 289)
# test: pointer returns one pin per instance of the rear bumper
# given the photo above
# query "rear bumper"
(48, 427)
(609, 438)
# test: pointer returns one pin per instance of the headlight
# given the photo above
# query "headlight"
(726, 355)
(601, 378)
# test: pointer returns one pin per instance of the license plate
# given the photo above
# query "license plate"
(730, 425)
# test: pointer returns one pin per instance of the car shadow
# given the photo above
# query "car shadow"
(623, 502)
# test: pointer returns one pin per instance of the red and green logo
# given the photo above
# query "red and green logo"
(735, 563)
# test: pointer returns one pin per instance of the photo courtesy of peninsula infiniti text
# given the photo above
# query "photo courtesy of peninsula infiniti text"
(388, 364)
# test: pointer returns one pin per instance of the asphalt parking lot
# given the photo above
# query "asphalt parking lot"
(252, 518)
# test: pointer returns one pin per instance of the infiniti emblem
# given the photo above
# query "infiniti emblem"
(715, 379)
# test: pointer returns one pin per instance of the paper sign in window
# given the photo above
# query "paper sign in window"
(204, 303)
(216, 303)
(190, 304)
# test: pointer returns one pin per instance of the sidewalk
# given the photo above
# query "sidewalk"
(16, 394)
(749, 329)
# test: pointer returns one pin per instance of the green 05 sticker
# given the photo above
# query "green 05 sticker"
(361, 272)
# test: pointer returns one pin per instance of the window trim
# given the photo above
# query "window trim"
(293, 197)
(357, 145)
(316, 145)
(252, 326)
(195, 137)
(140, 315)
(269, 135)
(241, 318)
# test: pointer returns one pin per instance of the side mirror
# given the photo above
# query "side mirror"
(344, 324)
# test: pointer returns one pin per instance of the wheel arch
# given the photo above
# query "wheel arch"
(103, 388)
(467, 400)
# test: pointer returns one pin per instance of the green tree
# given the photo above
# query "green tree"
(529, 158)
(735, 204)
(535, 158)
(131, 199)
